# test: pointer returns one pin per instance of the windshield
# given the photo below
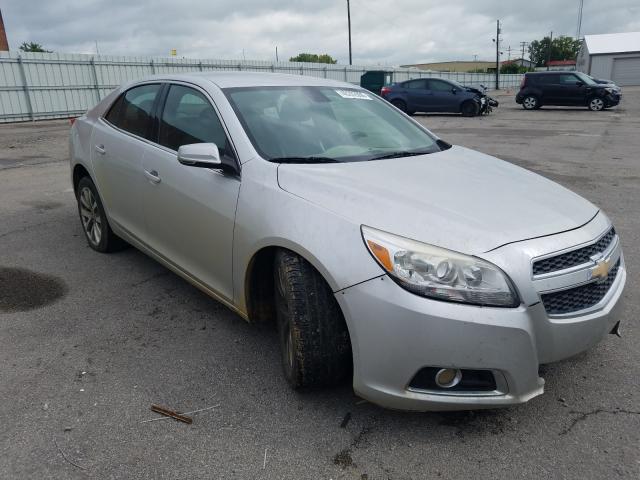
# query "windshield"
(586, 78)
(325, 124)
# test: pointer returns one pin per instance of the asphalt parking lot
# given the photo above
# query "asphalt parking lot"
(88, 342)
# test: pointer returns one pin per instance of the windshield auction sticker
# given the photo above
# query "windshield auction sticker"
(353, 94)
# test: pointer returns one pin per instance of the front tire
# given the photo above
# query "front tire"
(94, 220)
(530, 102)
(314, 340)
(470, 109)
(596, 104)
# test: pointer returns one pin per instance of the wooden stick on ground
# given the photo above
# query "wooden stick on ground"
(170, 413)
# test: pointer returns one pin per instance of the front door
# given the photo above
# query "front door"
(190, 211)
(443, 98)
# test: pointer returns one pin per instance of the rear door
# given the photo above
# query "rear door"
(117, 146)
(419, 97)
(190, 211)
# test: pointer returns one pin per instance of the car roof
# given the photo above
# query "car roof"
(250, 79)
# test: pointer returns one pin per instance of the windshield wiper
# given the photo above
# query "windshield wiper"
(399, 154)
(303, 160)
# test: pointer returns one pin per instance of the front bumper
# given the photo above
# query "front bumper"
(395, 333)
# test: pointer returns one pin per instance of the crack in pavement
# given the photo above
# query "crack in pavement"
(582, 416)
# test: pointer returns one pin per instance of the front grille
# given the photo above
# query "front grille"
(579, 298)
(574, 257)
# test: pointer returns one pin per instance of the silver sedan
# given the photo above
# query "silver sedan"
(431, 276)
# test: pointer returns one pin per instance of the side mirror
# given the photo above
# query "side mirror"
(203, 155)
(454, 90)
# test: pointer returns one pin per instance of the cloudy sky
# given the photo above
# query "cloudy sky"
(384, 31)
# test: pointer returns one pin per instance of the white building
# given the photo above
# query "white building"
(612, 56)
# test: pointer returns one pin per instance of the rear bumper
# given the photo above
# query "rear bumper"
(395, 333)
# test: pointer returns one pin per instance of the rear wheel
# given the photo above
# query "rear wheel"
(94, 220)
(400, 105)
(314, 340)
(530, 102)
(470, 108)
(596, 104)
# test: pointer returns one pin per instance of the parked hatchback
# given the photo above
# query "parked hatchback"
(566, 89)
(434, 95)
(430, 275)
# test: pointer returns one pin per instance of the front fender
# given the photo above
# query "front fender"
(268, 216)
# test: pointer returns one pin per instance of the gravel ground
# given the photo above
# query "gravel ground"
(88, 342)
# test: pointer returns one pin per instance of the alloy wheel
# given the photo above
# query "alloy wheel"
(596, 104)
(530, 103)
(90, 216)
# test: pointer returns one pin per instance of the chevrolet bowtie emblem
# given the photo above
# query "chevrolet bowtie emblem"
(601, 270)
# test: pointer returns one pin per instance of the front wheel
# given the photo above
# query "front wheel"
(315, 345)
(470, 109)
(596, 104)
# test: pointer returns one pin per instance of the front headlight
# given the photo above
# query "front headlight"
(439, 273)
(608, 90)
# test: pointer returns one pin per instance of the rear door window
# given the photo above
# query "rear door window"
(132, 111)
(188, 117)
(416, 85)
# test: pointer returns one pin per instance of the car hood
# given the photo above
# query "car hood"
(457, 199)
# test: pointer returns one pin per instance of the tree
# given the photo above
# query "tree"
(562, 48)
(513, 67)
(33, 47)
(313, 58)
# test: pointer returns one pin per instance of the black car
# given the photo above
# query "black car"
(567, 89)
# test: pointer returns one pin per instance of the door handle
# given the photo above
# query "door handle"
(152, 176)
(100, 149)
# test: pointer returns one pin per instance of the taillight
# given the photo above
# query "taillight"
(72, 121)
(523, 81)
(385, 91)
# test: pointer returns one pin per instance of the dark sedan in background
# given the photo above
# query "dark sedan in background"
(434, 95)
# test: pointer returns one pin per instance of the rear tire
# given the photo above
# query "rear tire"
(530, 102)
(314, 340)
(400, 105)
(596, 104)
(469, 108)
(94, 221)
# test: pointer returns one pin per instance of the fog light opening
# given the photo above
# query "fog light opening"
(448, 377)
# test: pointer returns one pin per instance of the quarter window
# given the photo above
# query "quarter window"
(132, 111)
(188, 117)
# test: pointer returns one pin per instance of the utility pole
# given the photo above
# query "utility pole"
(549, 50)
(475, 58)
(579, 19)
(349, 24)
(523, 45)
(276, 53)
(498, 55)
(509, 53)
